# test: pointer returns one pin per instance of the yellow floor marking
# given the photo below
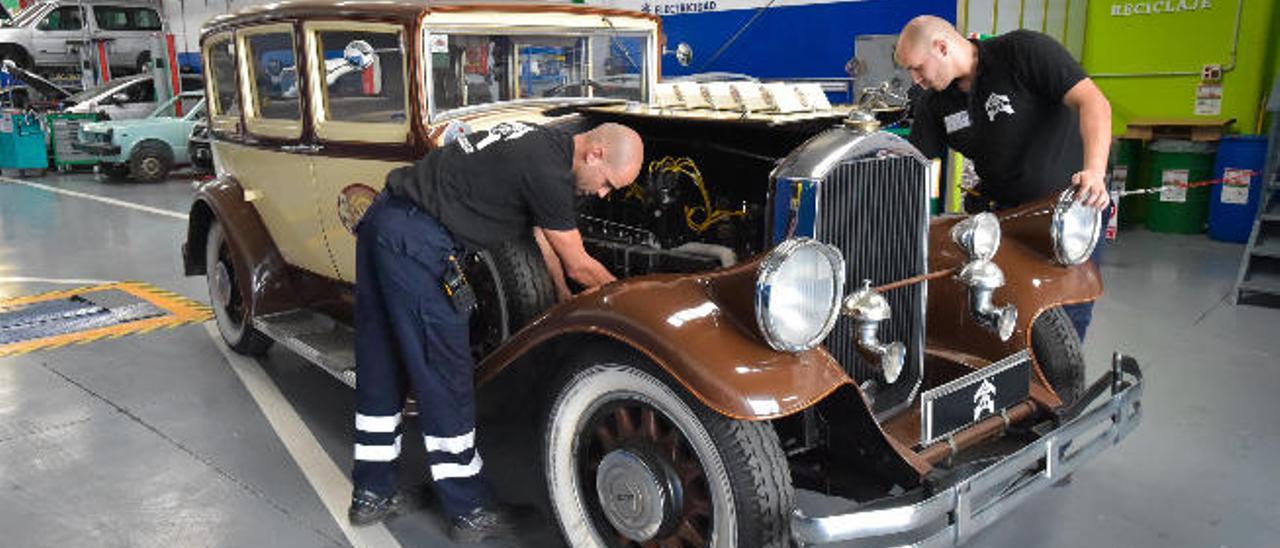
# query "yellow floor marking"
(179, 311)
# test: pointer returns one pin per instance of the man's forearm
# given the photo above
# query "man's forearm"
(1095, 124)
(553, 264)
(577, 264)
(589, 272)
(1095, 130)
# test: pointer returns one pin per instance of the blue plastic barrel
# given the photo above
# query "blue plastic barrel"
(1234, 203)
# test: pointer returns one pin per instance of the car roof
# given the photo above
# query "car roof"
(407, 11)
(124, 3)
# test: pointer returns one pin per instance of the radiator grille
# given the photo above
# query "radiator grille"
(876, 212)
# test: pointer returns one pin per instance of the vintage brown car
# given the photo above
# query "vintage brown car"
(730, 367)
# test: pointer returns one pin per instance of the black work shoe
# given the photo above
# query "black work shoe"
(368, 508)
(485, 522)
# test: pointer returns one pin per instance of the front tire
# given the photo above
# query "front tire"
(230, 309)
(115, 172)
(1057, 349)
(150, 162)
(629, 461)
(143, 63)
(17, 55)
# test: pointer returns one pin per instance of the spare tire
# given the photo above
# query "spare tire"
(512, 288)
(1057, 349)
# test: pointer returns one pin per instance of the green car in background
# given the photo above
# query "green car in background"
(145, 149)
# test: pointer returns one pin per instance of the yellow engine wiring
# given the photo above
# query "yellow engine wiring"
(687, 167)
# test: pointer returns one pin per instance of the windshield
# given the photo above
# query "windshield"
(469, 69)
(27, 15)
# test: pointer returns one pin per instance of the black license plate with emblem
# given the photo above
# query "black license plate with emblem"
(973, 397)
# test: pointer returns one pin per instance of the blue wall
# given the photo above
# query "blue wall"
(791, 41)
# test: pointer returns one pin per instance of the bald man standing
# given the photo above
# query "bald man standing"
(411, 313)
(1020, 107)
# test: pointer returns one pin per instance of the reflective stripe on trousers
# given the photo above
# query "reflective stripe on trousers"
(409, 336)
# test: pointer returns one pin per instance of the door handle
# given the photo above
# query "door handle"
(301, 149)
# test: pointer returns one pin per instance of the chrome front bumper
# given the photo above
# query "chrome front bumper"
(951, 517)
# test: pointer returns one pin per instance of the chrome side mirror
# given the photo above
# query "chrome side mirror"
(683, 53)
(984, 278)
(868, 308)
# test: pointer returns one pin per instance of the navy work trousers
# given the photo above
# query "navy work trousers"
(409, 334)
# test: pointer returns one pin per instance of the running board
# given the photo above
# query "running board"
(316, 337)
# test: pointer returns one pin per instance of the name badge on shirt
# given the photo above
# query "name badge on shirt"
(957, 121)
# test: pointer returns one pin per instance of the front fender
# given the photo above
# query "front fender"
(1033, 282)
(261, 272)
(698, 329)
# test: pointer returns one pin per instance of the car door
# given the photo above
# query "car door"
(58, 36)
(129, 28)
(361, 116)
(136, 99)
(272, 162)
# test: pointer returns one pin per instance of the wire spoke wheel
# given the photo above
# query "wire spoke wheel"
(659, 455)
(632, 460)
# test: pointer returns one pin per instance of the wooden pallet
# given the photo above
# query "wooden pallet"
(1194, 129)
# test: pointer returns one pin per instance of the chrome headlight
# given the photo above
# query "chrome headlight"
(978, 236)
(1074, 229)
(798, 293)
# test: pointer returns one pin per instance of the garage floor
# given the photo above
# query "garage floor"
(165, 439)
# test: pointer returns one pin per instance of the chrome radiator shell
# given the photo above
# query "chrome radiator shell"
(871, 200)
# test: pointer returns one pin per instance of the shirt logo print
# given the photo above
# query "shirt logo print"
(997, 103)
(506, 131)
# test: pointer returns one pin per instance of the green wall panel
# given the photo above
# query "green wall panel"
(1181, 36)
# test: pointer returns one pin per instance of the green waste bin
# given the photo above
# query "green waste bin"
(1126, 156)
(1179, 210)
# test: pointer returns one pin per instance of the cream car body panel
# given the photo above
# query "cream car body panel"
(281, 189)
(345, 186)
(277, 181)
(333, 176)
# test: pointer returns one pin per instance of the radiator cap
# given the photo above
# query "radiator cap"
(862, 121)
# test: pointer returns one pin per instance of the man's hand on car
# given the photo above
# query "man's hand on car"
(1091, 188)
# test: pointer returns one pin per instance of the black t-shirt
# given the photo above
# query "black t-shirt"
(492, 186)
(1023, 140)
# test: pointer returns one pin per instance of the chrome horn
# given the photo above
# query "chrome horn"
(983, 278)
(868, 308)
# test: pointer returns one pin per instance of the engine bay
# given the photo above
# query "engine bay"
(700, 202)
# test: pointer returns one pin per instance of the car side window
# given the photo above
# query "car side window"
(364, 75)
(111, 17)
(63, 18)
(469, 70)
(221, 58)
(191, 83)
(144, 19)
(144, 91)
(273, 75)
